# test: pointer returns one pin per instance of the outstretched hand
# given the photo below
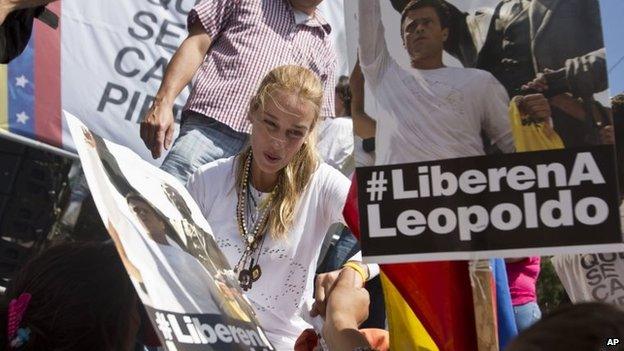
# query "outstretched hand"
(347, 308)
(324, 285)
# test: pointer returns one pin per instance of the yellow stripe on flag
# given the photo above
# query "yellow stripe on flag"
(4, 100)
(406, 331)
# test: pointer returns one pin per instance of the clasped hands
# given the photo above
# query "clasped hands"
(340, 294)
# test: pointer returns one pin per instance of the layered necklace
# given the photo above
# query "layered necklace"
(248, 267)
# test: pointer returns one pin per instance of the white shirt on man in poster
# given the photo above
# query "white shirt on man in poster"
(432, 113)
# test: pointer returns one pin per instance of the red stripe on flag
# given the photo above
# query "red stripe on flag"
(48, 126)
(439, 293)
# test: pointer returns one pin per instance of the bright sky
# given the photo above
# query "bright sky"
(613, 26)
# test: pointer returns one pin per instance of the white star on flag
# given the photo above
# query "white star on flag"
(21, 81)
(22, 117)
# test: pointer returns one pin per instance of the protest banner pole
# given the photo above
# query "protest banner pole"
(37, 144)
(484, 305)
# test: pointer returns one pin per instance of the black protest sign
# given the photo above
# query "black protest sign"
(532, 203)
(187, 332)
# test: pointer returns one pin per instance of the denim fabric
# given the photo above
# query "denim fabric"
(338, 254)
(527, 314)
(201, 140)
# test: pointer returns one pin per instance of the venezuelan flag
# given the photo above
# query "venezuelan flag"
(430, 305)
(30, 87)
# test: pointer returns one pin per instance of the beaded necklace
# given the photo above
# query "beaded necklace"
(248, 267)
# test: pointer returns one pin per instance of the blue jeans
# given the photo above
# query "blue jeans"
(526, 315)
(340, 252)
(202, 140)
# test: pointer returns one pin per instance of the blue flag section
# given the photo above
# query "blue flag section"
(21, 93)
(507, 328)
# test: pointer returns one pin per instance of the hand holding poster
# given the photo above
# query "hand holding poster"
(183, 279)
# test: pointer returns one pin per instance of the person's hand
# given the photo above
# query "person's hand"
(157, 127)
(540, 83)
(607, 135)
(348, 298)
(88, 137)
(324, 284)
(347, 308)
(8, 6)
(534, 106)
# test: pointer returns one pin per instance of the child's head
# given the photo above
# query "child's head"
(80, 299)
(586, 326)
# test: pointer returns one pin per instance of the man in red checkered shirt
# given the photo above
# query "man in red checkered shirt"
(231, 46)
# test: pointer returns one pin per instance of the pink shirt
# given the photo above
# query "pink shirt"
(250, 38)
(522, 278)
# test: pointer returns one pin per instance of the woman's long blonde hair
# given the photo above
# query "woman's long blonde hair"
(292, 179)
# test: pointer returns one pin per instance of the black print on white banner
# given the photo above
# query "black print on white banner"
(605, 276)
(496, 202)
(191, 332)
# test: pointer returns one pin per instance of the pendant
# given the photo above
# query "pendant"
(245, 279)
(256, 272)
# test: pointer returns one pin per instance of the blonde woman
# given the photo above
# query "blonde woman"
(271, 205)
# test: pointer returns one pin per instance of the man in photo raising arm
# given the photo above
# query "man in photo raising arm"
(434, 112)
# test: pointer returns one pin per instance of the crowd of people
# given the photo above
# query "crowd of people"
(267, 141)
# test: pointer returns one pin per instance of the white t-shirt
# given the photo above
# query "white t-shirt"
(288, 266)
(592, 277)
(432, 114)
(335, 143)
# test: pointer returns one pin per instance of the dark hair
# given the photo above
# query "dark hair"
(170, 230)
(82, 299)
(586, 326)
(343, 91)
(440, 8)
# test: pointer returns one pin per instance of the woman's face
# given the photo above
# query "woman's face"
(280, 130)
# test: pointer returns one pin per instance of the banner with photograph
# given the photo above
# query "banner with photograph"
(191, 294)
(496, 138)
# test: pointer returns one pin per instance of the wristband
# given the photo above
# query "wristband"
(358, 268)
